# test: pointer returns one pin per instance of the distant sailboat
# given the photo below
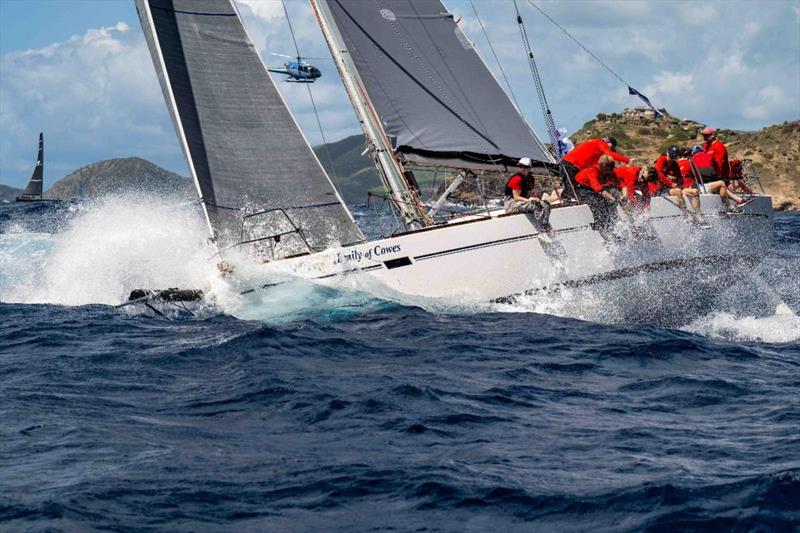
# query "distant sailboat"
(33, 192)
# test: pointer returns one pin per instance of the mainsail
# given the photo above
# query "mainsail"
(257, 176)
(34, 188)
(434, 95)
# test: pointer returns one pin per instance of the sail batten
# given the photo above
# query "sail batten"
(246, 152)
(434, 95)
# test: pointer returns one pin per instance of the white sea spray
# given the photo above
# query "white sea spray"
(111, 246)
(778, 328)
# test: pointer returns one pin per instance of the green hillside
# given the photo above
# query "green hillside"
(354, 174)
(120, 175)
(774, 150)
(9, 193)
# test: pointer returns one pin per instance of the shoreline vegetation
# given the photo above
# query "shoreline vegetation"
(774, 151)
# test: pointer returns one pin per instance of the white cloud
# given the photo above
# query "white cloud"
(94, 95)
(731, 64)
(596, 13)
(644, 42)
(668, 83)
(770, 99)
(469, 24)
(751, 28)
(264, 9)
(698, 14)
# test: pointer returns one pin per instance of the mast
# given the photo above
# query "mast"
(389, 169)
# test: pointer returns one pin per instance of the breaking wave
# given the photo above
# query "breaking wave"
(96, 252)
(106, 248)
(778, 328)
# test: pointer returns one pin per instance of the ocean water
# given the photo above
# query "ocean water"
(329, 408)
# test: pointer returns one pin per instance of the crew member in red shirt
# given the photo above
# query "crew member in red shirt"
(596, 187)
(669, 177)
(718, 153)
(635, 194)
(669, 172)
(587, 154)
(633, 186)
(521, 198)
(722, 168)
(687, 183)
(687, 175)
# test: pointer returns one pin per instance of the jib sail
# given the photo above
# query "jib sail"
(258, 178)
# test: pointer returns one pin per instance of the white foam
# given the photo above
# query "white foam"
(16, 228)
(297, 299)
(778, 328)
(566, 302)
(21, 257)
(119, 243)
(111, 246)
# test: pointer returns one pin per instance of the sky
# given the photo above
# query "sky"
(79, 70)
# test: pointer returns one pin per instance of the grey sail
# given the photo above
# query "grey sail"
(433, 93)
(34, 188)
(258, 178)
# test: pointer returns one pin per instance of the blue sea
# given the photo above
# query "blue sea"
(329, 408)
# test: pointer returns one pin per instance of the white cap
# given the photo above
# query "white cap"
(524, 162)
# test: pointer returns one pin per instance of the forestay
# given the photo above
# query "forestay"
(255, 172)
(433, 93)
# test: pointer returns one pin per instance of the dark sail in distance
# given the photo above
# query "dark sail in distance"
(34, 189)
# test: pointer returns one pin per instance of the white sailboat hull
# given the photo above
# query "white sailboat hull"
(500, 258)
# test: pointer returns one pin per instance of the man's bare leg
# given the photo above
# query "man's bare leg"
(676, 193)
(694, 200)
(719, 188)
(714, 186)
(734, 197)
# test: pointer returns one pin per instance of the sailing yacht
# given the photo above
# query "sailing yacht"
(426, 100)
(33, 192)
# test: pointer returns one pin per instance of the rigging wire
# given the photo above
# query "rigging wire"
(631, 90)
(291, 30)
(568, 34)
(552, 132)
(310, 95)
(494, 54)
(502, 71)
(548, 116)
